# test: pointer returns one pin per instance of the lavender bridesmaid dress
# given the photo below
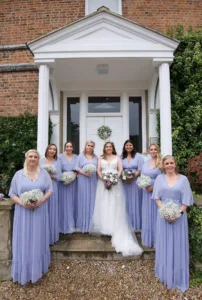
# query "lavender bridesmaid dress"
(30, 244)
(67, 197)
(133, 193)
(172, 244)
(149, 208)
(85, 195)
(53, 203)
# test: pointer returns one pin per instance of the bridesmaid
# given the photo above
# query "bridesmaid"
(51, 159)
(30, 244)
(67, 193)
(132, 161)
(87, 184)
(172, 245)
(151, 168)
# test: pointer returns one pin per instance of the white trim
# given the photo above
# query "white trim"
(64, 138)
(119, 7)
(125, 111)
(144, 124)
(104, 114)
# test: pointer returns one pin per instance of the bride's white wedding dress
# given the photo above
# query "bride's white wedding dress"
(110, 218)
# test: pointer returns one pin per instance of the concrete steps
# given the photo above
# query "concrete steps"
(92, 247)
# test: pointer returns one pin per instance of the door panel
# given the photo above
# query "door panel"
(115, 123)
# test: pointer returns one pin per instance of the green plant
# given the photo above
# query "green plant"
(194, 172)
(17, 135)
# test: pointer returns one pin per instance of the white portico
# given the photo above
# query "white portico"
(104, 70)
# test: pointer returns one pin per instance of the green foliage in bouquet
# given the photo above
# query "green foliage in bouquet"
(17, 135)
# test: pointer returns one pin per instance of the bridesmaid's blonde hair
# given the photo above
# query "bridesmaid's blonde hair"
(169, 157)
(158, 163)
(25, 163)
(87, 142)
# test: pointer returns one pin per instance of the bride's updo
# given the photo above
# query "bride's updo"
(104, 149)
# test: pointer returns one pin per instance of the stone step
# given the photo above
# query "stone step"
(91, 247)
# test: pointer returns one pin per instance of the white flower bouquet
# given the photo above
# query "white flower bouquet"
(31, 197)
(127, 174)
(143, 181)
(170, 211)
(50, 169)
(68, 177)
(110, 179)
(90, 168)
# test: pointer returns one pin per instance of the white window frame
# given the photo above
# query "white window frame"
(119, 7)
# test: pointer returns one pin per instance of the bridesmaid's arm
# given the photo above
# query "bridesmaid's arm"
(99, 169)
(158, 202)
(45, 197)
(120, 166)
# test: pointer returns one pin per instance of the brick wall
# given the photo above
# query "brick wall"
(18, 93)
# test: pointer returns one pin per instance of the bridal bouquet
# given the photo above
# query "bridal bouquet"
(67, 177)
(127, 174)
(31, 197)
(110, 179)
(50, 169)
(170, 211)
(90, 168)
(143, 181)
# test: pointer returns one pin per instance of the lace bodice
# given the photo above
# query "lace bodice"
(109, 167)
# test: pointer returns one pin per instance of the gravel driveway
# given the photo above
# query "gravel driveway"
(94, 280)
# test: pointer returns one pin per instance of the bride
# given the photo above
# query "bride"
(109, 217)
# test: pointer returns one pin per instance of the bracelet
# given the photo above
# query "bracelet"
(181, 212)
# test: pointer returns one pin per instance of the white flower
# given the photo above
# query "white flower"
(169, 211)
(31, 197)
(49, 168)
(90, 168)
(143, 181)
(68, 177)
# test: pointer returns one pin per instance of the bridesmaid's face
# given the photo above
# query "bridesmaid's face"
(169, 165)
(52, 151)
(129, 147)
(90, 148)
(32, 159)
(153, 151)
(69, 148)
(108, 149)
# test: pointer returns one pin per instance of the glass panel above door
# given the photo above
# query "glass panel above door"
(104, 104)
(73, 107)
(135, 122)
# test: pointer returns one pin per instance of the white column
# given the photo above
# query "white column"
(165, 109)
(43, 95)
(125, 121)
(83, 112)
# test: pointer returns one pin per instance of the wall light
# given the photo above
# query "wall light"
(102, 69)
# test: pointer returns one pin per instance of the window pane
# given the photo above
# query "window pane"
(135, 124)
(73, 106)
(103, 104)
(93, 5)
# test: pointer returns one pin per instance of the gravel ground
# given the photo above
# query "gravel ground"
(94, 280)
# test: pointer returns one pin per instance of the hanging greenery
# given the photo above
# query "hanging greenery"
(104, 132)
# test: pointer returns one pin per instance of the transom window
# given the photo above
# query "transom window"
(113, 5)
(104, 104)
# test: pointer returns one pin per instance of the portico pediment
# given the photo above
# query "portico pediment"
(103, 34)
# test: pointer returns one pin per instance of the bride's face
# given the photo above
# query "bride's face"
(108, 149)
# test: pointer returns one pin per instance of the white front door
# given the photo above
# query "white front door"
(114, 123)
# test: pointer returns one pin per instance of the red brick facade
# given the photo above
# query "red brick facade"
(24, 20)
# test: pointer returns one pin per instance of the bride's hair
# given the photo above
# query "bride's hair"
(104, 149)
(124, 152)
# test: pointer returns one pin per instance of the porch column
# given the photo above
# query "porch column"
(125, 109)
(165, 109)
(43, 94)
(82, 128)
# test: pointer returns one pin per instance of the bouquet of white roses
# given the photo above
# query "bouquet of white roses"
(127, 174)
(170, 211)
(68, 177)
(143, 181)
(90, 168)
(50, 169)
(31, 197)
(110, 179)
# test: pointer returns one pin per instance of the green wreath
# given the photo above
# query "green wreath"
(104, 132)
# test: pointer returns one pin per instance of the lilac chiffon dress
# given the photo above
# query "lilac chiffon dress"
(85, 195)
(30, 244)
(53, 203)
(133, 193)
(67, 197)
(149, 208)
(172, 245)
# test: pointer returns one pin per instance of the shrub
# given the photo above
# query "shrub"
(17, 135)
(194, 173)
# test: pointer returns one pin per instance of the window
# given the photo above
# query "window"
(104, 105)
(73, 107)
(135, 124)
(113, 5)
